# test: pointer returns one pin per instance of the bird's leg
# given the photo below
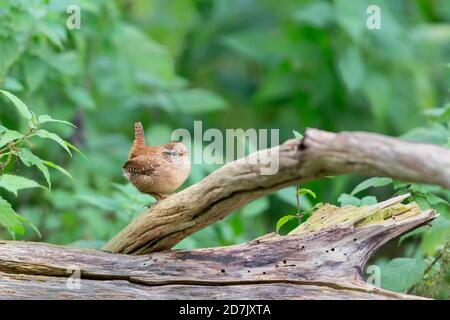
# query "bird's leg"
(158, 198)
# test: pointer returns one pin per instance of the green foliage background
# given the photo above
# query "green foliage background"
(232, 64)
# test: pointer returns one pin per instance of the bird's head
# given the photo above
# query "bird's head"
(177, 151)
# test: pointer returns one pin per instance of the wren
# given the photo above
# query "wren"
(156, 170)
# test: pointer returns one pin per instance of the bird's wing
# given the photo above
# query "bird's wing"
(141, 165)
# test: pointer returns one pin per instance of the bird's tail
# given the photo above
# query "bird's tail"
(139, 139)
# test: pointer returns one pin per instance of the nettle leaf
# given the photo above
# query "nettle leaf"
(46, 118)
(71, 146)
(346, 199)
(29, 159)
(283, 220)
(434, 199)
(306, 191)
(9, 136)
(21, 107)
(10, 219)
(297, 134)
(369, 200)
(52, 136)
(372, 182)
(413, 233)
(401, 274)
(14, 183)
(60, 169)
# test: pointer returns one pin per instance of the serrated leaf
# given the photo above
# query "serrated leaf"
(401, 274)
(372, 182)
(283, 220)
(52, 136)
(297, 134)
(434, 199)
(306, 191)
(14, 183)
(413, 233)
(369, 200)
(346, 199)
(21, 107)
(46, 118)
(8, 136)
(10, 219)
(71, 146)
(28, 222)
(29, 159)
(60, 169)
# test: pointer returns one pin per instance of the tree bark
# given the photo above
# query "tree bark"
(234, 185)
(323, 259)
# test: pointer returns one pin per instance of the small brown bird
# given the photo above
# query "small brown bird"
(156, 170)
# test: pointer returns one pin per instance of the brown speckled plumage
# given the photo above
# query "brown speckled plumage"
(156, 170)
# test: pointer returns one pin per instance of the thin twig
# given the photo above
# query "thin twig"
(299, 214)
(436, 259)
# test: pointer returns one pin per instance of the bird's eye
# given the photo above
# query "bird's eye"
(171, 152)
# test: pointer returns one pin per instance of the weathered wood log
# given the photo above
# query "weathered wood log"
(318, 154)
(322, 259)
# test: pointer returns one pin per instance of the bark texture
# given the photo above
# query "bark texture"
(322, 260)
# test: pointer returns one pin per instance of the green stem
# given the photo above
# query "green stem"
(299, 214)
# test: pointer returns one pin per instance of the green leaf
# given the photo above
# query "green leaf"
(413, 233)
(288, 195)
(14, 183)
(283, 220)
(81, 97)
(434, 199)
(401, 274)
(262, 45)
(21, 107)
(8, 136)
(142, 54)
(29, 159)
(438, 234)
(306, 191)
(28, 222)
(372, 182)
(12, 84)
(317, 14)
(60, 169)
(369, 200)
(197, 101)
(46, 118)
(351, 68)
(439, 114)
(256, 207)
(346, 199)
(52, 136)
(297, 135)
(10, 219)
(71, 146)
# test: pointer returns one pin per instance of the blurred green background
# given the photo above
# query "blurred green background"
(257, 64)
